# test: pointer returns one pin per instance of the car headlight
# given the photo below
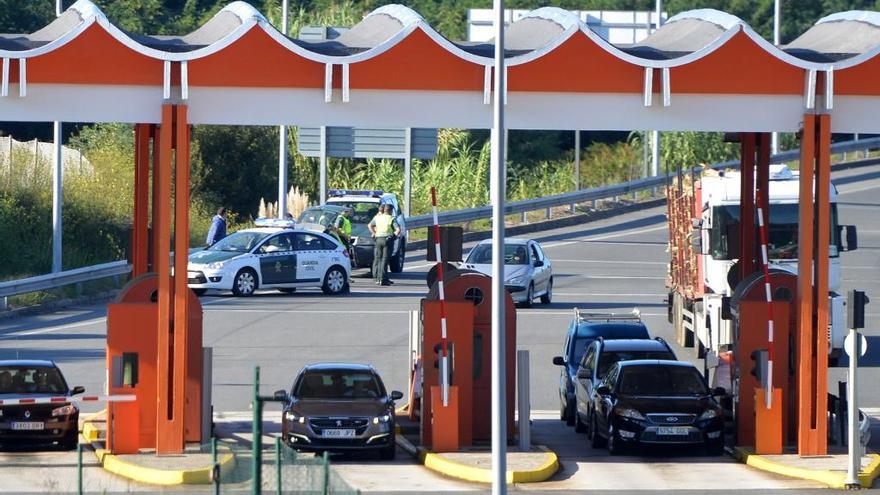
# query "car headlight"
(517, 281)
(382, 419)
(295, 418)
(214, 266)
(630, 413)
(64, 410)
(708, 414)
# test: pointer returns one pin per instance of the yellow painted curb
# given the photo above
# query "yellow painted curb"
(142, 474)
(834, 479)
(442, 465)
(89, 432)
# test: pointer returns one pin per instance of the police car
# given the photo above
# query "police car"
(276, 254)
(364, 205)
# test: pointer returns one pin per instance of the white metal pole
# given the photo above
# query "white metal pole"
(523, 403)
(855, 454)
(655, 135)
(498, 192)
(59, 8)
(282, 140)
(774, 137)
(322, 178)
(57, 190)
(407, 171)
(577, 165)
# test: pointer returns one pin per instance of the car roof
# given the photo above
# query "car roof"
(655, 362)
(28, 362)
(327, 207)
(353, 199)
(338, 367)
(509, 240)
(612, 330)
(263, 230)
(634, 345)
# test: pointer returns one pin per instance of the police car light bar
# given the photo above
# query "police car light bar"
(376, 193)
(62, 399)
(275, 222)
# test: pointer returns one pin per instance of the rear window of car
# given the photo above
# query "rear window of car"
(338, 384)
(608, 358)
(31, 380)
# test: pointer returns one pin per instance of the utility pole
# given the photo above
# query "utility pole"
(498, 192)
(655, 135)
(774, 137)
(282, 139)
(57, 182)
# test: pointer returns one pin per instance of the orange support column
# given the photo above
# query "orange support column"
(140, 232)
(747, 206)
(445, 420)
(169, 429)
(762, 177)
(154, 134)
(813, 240)
(768, 423)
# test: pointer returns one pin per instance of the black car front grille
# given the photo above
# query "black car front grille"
(668, 419)
(34, 412)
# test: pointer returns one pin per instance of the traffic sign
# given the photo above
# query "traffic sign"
(848, 344)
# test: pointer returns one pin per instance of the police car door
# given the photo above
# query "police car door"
(278, 260)
(310, 256)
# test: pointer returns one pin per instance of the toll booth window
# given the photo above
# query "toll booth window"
(129, 369)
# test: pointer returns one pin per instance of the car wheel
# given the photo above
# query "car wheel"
(595, 438)
(570, 413)
(335, 281)
(614, 447)
(716, 448)
(287, 290)
(200, 292)
(245, 282)
(390, 452)
(396, 263)
(548, 296)
(530, 296)
(579, 426)
(71, 439)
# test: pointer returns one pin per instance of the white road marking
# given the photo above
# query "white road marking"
(416, 267)
(617, 277)
(545, 313)
(14, 335)
(603, 237)
(611, 262)
(600, 294)
(845, 190)
(308, 311)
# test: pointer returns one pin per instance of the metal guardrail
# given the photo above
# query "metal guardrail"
(88, 273)
(603, 192)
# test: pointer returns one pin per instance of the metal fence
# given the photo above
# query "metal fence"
(50, 281)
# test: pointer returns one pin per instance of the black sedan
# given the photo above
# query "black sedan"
(340, 407)
(656, 402)
(33, 409)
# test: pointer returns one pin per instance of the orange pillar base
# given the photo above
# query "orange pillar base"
(768, 423)
(445, 421)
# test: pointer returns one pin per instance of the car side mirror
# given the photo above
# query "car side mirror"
(585, 373)
(719, 391)
(558, 361)
(77, 390)
(603, 390)
(396, 395)
(281, 395)
(539, 263)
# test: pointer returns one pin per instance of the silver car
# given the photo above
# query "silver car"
(528, 272)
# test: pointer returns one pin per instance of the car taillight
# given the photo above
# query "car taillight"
(64, 410)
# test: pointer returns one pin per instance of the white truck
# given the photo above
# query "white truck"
(698, 272)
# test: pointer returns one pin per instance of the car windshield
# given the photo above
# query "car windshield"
(318, 215)
(514, 254)
(31, 380)
(362, 213)
(338, 384)
(608, 358)
(661, 381)
(239, 242)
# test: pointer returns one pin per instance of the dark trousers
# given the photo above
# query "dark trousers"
(380, 259)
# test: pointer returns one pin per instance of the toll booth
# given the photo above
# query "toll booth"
(469, 334)
(132, 368)
(750, 313)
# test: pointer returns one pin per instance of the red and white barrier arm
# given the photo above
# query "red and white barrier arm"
(763, 200)
(444, 364)
(57, 400)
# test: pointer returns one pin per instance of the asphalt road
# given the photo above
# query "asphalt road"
(613, 264)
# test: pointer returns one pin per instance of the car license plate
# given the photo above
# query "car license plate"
(672, 430)
(27, 425)
(338, 433)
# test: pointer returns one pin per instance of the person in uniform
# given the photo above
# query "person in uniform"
(384, 229)
(341, 228)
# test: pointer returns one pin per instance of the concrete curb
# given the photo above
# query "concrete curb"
(143, 474)
(834, 479)
(452, 469)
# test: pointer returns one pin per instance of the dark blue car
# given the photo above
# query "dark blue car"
(582, 331)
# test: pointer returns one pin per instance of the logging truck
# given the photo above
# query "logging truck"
(703, 214)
